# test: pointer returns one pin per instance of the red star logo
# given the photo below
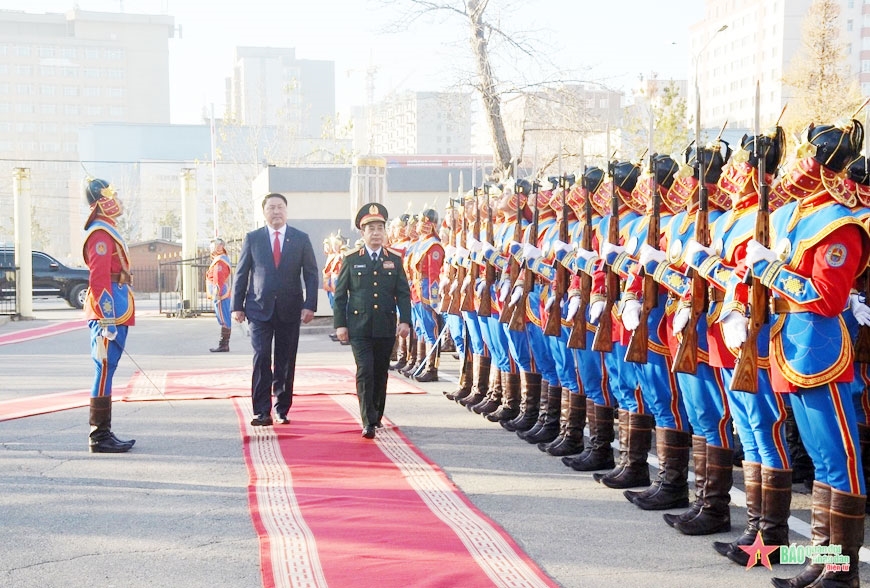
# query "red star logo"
(758, 551)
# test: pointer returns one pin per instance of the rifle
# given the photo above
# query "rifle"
(577, 338)
(746, 370)
(603, 340)
(489, 273)
(553, 326)
(456, 299)
(862, 341)
(518, 315)
(467, 302)
(513, 264)
(446, 294)
(638, 344)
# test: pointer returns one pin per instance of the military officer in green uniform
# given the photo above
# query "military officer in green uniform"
(371, 288)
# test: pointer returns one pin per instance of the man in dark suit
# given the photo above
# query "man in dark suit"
(370, 289)
(276, 263)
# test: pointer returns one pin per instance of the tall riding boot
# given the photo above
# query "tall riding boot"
(598, 454)
(430, 374)
(622, 430)
(864, 440)
(530, 399)
(101, 439)
(847, 531)
(413, 351)
(802, 466)
(775, 509)
(466, 377)
(510, 399)
(542, 410)
(820, 534)
(570, 440)
(224, 343)
(423, 359)
(480, 385)
(492, 400)
(674, 448)
(752, 484)
(699, 465)
(635, 472)
(549, 428)
(401, 353)
(715, 513)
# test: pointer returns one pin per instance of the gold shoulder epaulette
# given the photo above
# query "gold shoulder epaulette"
(395, 252)
(352, 251)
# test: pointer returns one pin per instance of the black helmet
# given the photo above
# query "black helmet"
(836, 146)
(431, 215)
(774, 152)
(94, 190)
(592, 178)
(665, 168)
(523, 187)
(625, 174)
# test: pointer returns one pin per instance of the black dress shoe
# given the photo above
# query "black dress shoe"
(334, 337)
(369, 432)
(282, 419)
(379, 425)
(262, 420)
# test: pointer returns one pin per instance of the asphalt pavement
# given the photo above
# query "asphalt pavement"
(174, 511)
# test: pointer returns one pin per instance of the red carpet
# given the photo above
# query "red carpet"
(334, 509)
(36, 333)
(197, 385)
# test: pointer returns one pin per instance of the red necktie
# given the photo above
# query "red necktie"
(276, 250)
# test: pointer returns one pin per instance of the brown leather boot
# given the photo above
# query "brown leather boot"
(401, 353)
(510, 399)
(430, 372)
(224, 343)
(573, 421)
(548, 428)
(847, 531)
(466, 377)
(531, 386)
(820, 534)
(775, 510)
(715, 513)
(416, 355)
(492, 400)
(752, 485)
(672, 489)
(635, 472)
(699, 465)
(622, 430)
(864, 440)
(598, 454)
(101, 439)
(480, 384)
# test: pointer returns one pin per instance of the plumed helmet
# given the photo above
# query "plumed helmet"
(523, 186)
(860, 176)
(836, 145)
(774, 145)
(430, 215)
(96, 189)
(593, 177)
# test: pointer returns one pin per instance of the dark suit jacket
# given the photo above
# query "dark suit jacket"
(261, 290)
(367, 295)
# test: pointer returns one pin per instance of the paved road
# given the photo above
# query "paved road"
(174, 511)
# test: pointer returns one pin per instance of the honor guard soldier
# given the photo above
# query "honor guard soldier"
(109, 308)
(425, 263)
(219, 288)
(371, 290)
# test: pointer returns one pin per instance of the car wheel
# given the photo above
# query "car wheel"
(77, 296)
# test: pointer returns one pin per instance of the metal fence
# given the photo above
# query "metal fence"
(170, 282)
(8, 290)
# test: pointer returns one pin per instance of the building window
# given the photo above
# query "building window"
(70, 91)
(115, 74)
(24, 108)
(71, 109)
(115, 92)
(91, 72)
(865, 65)
(47, 71)
(93, 110)
(23, 90)
(46, 90)
(21, 51)
(69, 72)
(92, 53)
(68, 52)
(91, 92)
(850, 25)
(23, 70)
(48, 108)
(46, 51)
(117, 111)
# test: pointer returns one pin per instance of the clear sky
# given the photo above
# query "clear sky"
(613, 42)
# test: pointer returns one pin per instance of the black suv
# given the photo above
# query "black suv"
(51, 278)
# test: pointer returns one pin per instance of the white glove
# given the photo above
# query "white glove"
(473, 244)
(562, 246)
(756, 252)
(466, 282)
(549, 304)
(691, 250)
(449, 251)
(681, 319)
(631, 314)
(514, 247)
(516, 295)
(454, 287)
(595, 310)
(648, 254)
(860, 311)
(504, 291)
(487, 249)
(573, 306)
(531, 252)
(109, 332)
(461, 252)
(734, 329)
(480, 286)
(608, 249)
(585, 254)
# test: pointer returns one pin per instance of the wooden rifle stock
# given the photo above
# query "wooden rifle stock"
(686, 357)
(603, 340)
(513, 268)
(467, 298)
(553, 325)
(638, 344)
(746, 370)
(577, 338)
(485, 308)
(518, 314)
(446, 295)
(862, 341)
(456, 297)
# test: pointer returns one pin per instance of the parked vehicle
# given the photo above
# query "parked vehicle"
(51, 278)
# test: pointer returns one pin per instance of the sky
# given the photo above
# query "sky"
(574, 39)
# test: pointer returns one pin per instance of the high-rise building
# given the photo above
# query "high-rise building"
(741, 42)
(59, 73)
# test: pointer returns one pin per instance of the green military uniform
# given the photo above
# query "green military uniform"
(368, 294)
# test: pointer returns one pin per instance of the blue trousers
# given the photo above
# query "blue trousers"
(706, 405)
(106, 355)
(760, 421)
